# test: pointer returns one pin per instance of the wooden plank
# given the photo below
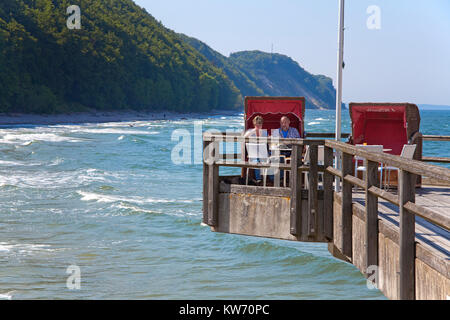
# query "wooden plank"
(436, 159)
(425, 251)
(246, 164)
(242, 139)
(296, 185)
(346, 210)
(334, 171)
(371, 208)
(325, 135)
(436, 218)
(407, 236)
(383, 195)
(355, 181)
(328, 195)
(436, 138)
(312, 192)
(230, 156)
(413, 166)
(426, 232)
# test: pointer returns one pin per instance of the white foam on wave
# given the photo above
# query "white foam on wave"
(121, 137)
(28, 138)
(313, 123)
(7, 163)
(24, 248)
(134, 208)
(56, 162)
(4, 247)
(6, 296)
(114, 131)
(54, 180)
(127, 124)
(91, 196)
(10, 163)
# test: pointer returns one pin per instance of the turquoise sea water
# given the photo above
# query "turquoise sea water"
(108, 199)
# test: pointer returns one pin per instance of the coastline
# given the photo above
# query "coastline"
(102, 117)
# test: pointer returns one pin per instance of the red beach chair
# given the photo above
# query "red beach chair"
(389, 124)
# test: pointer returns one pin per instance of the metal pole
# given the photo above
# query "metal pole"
(339, 86)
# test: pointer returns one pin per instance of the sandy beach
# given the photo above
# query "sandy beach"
(98, 117)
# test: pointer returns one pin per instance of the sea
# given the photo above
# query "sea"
(113, 211)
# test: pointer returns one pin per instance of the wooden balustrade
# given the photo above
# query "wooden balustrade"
(409, 170)
(323, 222)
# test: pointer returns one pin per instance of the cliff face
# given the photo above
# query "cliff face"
(257, 73)
(279, 75)
(121, 58)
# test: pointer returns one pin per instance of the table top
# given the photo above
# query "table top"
(280, 147)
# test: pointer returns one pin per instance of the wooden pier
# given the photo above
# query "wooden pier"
(399, 239)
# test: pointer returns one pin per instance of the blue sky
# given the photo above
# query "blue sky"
(406, 60)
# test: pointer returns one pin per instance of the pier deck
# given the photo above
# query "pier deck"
(431, 197)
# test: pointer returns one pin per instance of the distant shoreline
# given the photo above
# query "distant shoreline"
(129, 115)
(101, 117)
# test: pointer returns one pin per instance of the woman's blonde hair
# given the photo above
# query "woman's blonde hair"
(258, 120)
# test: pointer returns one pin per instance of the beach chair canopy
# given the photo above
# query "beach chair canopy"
(389, 124)
(272, 109)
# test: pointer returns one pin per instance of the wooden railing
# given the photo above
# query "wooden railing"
(323, 223)
(211, 174)
(213, 160)
(436, 159)
(405, 201)
(330, 135)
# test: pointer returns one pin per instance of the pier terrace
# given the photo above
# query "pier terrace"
(398, 238)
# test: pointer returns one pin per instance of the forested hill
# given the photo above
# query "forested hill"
(121, 58)
(260, 73)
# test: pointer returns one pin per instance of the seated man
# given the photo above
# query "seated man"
(285, 131)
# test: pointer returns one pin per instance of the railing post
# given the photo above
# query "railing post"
(205, 182)
(328, 194)
(371, 237)
(312, 192)
(346, 210)
(213, 186)
(407, 236)
(296, 188)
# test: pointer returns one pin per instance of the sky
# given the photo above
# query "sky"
(403, 57)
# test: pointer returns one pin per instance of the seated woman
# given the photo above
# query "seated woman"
(257, 131)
